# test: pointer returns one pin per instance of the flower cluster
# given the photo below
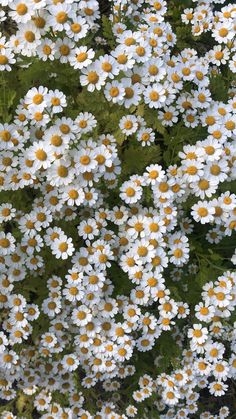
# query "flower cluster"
(206, 17)
(97, 264)
(142, 68)
(56, 157)
(49, 30)
(208, 363)
(34, 148)
(217, 118)
(202, 170)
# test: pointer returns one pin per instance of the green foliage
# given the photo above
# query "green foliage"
(219, 88)
(149, 116)
(135, 158)
(176, 137)
(107, 31)
(7, 96)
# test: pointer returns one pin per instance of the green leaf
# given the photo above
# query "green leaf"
(107, 31)
(152, 120)
(218, 88)
(119, 136)
(135, 159)
(140, 110)
(7, 96)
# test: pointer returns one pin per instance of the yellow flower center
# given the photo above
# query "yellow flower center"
(202, 212)
(76, 27)
(21, 9)
(82, 56)
(5, 243)
(41, 155)
(29, 36)
(3, 60)
(62, 171)
(61, 17)
(93, 77)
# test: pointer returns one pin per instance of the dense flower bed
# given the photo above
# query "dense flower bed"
(118, 209)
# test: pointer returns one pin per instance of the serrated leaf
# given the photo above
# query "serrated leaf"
(136, 158)
(218, 88)
(152, 121)
(140, 110)
(119, 136)
(107, 31)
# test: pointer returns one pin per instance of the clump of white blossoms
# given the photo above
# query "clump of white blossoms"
(209, 361)
(89, 260)
(49, 30)
(91, 329)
